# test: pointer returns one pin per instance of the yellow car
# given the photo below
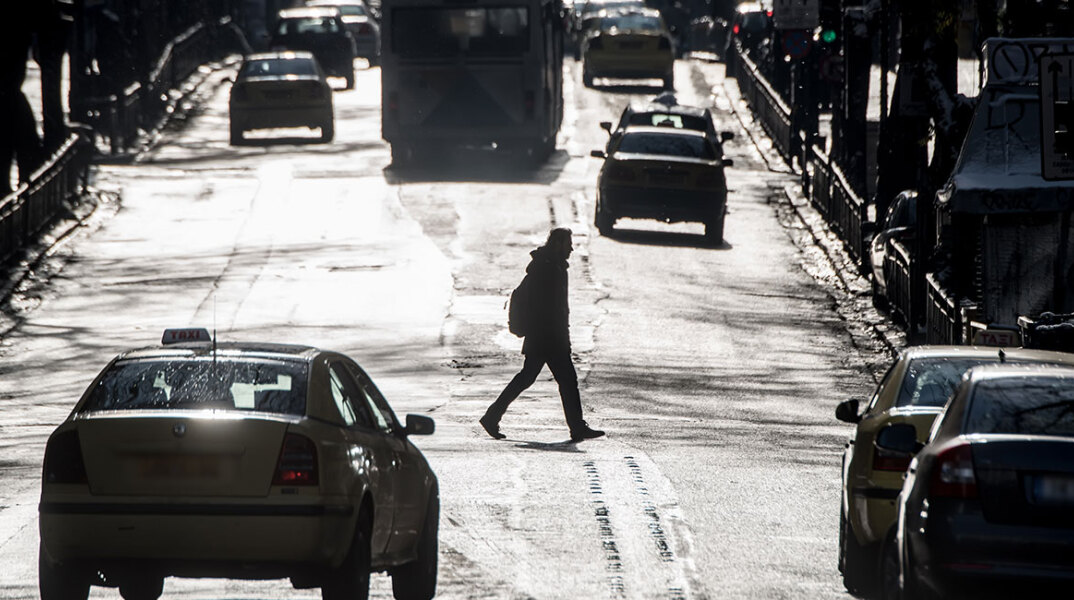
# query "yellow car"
(242, 460)
(630, 44)
(910, 396)
(662, 173)
(280, 89)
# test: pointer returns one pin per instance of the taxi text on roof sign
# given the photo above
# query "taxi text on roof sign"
(175, 336)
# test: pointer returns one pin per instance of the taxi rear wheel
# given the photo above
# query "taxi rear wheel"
(604, 221)
(328, 131)
(852, 559)
(350, 581)
(714, 228)
(56, 582)
(416, 580)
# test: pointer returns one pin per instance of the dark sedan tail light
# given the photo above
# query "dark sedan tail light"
(708, 179)
(315, 89)
(952, 474)
(63, 459)
(298, 461)
(665, 43)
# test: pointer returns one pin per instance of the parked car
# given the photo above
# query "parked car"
(662, 173)
(236, 459)
(899, 223)
(665, 111)
(633, 44)
(751, 27)
(987, 508)
(586, 15)
(908, 399)
(322, 32)
(362, 24)
(280, 89)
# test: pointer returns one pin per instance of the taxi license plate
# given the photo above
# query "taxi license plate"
(1053, 490)
(169, 467)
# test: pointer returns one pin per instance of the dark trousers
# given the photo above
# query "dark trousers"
(562, 369)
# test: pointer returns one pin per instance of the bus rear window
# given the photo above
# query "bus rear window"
(429, 32)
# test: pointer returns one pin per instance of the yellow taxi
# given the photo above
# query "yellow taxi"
(910, 396)
(629, 44)
(280, 89)
(241, 460)
(664, 173)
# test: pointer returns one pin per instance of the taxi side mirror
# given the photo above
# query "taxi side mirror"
(419, 425)
(598, 154)
(848, 411)
(899, 437)
(606, 126)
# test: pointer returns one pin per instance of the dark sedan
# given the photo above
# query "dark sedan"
(322, 32)
(988, 503)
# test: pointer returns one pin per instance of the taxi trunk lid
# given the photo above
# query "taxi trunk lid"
(168, 453)
(668, 172)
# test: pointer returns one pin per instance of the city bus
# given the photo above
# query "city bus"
(471, 73)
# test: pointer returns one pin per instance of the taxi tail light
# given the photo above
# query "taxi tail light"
(952, 474)
(298, 461)
(886, 460)
(621, 173)
(665, 43)
(596, 43)
(529, 103)
(736, 28)
(63, 459)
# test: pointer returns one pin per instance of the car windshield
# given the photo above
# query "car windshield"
(307, 25)
(667, 120)
(270, 67)
(352, 10)
(1023, 405)
(262, 385)
(667, 145)
(630, 23)
(446, 32)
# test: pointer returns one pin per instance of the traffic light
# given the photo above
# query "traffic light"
(830, 17)
(1063, 111)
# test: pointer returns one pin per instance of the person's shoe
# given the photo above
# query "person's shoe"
(585, 432)
(491, 427)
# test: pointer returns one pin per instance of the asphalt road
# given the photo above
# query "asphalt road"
(715, 371)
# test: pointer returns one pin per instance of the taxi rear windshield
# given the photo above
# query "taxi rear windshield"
(667, 145)
(931, 381)
(1023, 405)
(270, 386)
(430, 32)
(271, 67)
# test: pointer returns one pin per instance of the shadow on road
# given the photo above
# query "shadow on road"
(666, 238)
(564, 446)
(477, 164)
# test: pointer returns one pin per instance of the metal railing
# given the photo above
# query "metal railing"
(768, 107)
(831, 194)
(943, 317)
(25, 212)
(898, 277)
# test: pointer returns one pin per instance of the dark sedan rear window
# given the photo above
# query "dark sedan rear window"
(261, 385)
(277, 67)
(667, 145)
(307, 25)
(1023, 405)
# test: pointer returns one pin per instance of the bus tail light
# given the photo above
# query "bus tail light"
(63, 459)
(297, 464)
(393, 106)
(952, 474)
(529, 103)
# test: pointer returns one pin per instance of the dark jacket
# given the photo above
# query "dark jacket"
(549, 329)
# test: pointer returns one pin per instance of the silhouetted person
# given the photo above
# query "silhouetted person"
(548, 340)
(18, 128)
(50, 45)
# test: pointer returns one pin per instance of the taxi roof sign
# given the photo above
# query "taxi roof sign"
(191, 334)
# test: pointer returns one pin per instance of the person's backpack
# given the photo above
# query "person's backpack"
(518, 309)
